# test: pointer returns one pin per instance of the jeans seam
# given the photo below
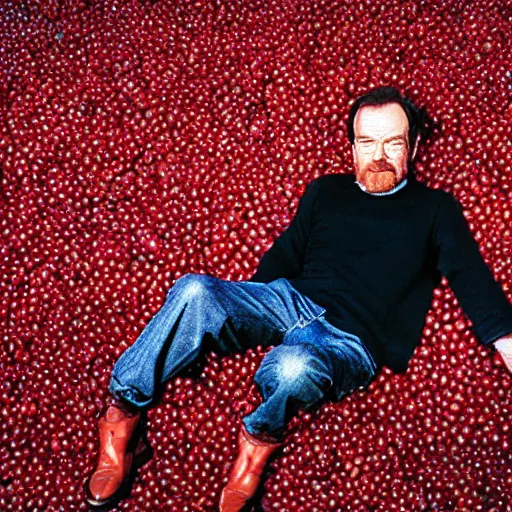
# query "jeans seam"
(299, 322)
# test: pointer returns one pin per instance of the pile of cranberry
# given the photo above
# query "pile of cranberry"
(141, 140)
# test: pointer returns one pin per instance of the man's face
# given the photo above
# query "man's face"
(381, 147)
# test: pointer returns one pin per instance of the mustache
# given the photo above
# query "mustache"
(380, 167)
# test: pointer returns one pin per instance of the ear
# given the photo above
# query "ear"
(415, 148)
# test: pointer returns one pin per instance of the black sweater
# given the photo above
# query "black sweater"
(373, 261)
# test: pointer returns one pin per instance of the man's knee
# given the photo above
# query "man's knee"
(193, 285)
(295, 371)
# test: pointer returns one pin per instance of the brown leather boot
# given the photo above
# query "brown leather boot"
(246, 472)
(119, 444)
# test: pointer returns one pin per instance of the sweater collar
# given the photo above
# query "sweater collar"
(400, 186)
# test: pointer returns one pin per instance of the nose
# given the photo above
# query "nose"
(379, 151)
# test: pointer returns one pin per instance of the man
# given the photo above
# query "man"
(343, 291)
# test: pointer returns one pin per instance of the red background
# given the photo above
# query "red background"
(140, 141)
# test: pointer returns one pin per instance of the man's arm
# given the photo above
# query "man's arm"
(459, 259)
(286, 256)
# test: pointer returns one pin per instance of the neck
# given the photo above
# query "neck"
(396, 188)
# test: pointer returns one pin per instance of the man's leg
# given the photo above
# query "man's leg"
(237, 316)
(313, 360)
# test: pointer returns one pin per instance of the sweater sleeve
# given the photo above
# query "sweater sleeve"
(459, 260)
(286, 256)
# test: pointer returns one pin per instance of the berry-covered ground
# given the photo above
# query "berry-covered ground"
(142, 140)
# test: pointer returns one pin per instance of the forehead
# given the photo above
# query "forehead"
(377, 121)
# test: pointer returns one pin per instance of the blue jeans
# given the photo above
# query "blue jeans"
(312, 358)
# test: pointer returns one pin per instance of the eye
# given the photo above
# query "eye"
(395, 145)
(366, 143)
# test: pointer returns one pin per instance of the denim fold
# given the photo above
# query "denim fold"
(311, 359)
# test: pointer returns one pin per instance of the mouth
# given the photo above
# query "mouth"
(380, 167)
(377, 171)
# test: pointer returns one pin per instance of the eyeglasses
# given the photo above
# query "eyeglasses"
(393, 146)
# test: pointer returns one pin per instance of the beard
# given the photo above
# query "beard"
(379, 177)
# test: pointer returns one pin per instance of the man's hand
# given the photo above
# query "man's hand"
(504, 347)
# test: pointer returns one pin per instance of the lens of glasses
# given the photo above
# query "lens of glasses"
(390, 147)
